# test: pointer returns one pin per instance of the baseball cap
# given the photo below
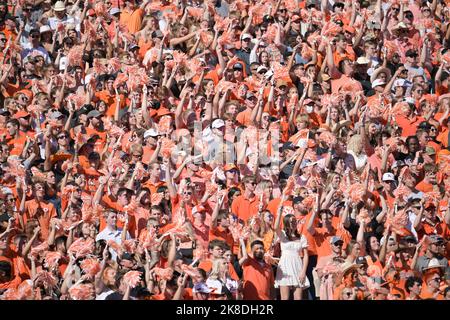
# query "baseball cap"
(261, 68)
(388, 176)
(133, 46)
(297, 199)
(21, 114)
(237, 66)
(218, 123)
(435, 239)
(246, 36)
(56, 115)
(378, 82)
(362, 60)
(44, 29)
(94, 114)
(335, 239)
(114, 11)
(401, 83)
(4, 112)
(288, 146)
(249, 95)
(281, 83)
(409, 239)
(411, 53)
(150, 133)
(361, 260)
(229, 167)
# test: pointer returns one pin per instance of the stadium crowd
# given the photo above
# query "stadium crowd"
(224, 150)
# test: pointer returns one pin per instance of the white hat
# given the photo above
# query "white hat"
(218, 123)
(246, 36)
(59, 6)
(362, 60)
(401, 83)
(388, 176)
(44, 29)
(150, 133)
(113, 11)
(378, 82)
(261, 68)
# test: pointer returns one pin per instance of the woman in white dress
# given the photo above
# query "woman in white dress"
(291, 270)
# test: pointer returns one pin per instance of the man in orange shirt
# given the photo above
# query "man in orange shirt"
(245, 206)
(216, 250)
(258, 275)
(430, 181)
(16, 139)
(131, 16)
(39, 209)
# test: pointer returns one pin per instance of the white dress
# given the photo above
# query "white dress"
(291, 264)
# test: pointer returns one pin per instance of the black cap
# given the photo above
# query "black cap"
(410, 239)
(237, 66)
(4, 112)
(4, 217)
(126, 256)
(287, 146)
(297, 199)
(361, 260)
(411, 53)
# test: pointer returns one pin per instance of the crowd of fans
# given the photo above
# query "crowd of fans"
(237, 150)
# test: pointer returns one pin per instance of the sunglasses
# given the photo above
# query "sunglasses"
(62, 137)
(252, 183)
(3, 40)
(187, 193)
(338, 244)
(10, 200)
(436, 279)
(34, 36)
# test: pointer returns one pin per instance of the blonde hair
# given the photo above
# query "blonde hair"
(355, 143)
(216, 269)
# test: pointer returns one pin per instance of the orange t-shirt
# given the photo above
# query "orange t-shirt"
(258, 280)
(132, 20)
(245, 208)
(48, 212)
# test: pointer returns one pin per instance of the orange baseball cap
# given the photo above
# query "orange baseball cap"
(26, 92)
(349, 29)
(21, 114)
(230, 166)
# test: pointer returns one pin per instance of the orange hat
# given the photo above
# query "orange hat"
(230, 166)
(26, 92)
(21, 114)
(349, 29)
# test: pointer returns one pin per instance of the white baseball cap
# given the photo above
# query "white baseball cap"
(261, 68)
(113, 11)
(246, 36)
(362, 60)
(378, 82)
(150, 133)
(218, 123)
(388, 176)
(44, 29)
